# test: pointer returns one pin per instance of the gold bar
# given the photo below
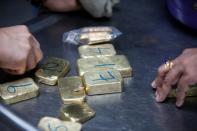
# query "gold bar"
(90, 51)
(52, 70)
(95, 37)
(54, 124)
(71, 90)
(192, 92)
(118, 62)
(76, 112)
(103, 82)
(13, 92)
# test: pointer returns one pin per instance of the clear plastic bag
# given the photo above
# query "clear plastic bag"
(91, 35)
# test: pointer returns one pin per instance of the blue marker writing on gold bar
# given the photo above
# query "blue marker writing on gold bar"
(12, 88)
(19, 90)
(102, 82)
(53, 69)
(117, 62)
(55, 124)
(90, 51)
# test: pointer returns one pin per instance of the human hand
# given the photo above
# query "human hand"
(183, 73)
(19, 50)
(61, 5)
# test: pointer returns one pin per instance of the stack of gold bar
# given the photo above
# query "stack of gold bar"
(73, 95)
(13, 92)
(101, 70)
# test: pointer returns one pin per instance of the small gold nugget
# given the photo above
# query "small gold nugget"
(13, 92)
(76, 112)
(71, 90)
(95, 37)
(192, 92)
(89, 51)
(103, 82)
(118, 62)
(54, 124)
(96, 29)
(52, 70)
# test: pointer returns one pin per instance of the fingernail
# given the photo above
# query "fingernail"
(179, 103)
(153, 84)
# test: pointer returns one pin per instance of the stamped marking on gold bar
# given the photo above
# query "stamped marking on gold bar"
(52, 70)
(118, 62)
(192, 92)
(89, 51)
(54, 124)
(76, 112)
(103, 82)
(71, 90)
(19, 90)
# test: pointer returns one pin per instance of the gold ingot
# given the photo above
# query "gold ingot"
(13, 92)
(96, 29)
(54, 124)
(89, 51)
(118, 62)
(95, 37)
(192, 92)
(52, 70)
(103, 82)
(76, 112)
(71, 90)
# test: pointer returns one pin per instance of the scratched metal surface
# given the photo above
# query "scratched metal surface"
(150, 36)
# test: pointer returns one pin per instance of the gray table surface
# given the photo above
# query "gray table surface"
(150, 37)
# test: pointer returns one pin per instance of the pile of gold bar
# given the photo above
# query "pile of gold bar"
(101, 70)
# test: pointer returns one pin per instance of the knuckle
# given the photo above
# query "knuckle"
(27, 48)
(186, 50)
(24, 28)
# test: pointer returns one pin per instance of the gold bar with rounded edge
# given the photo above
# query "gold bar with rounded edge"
(118, 62)
(50, 72)
(54, 124)
(90, 51)
(76, 112)
(103, 82)
(20, 90)
(71, 90)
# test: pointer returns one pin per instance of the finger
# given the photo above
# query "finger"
(162, 70)
(173, 75)
(13, 72)
(183, 86)
(153, 84)
(36, 49)
(31, 61)
(162, 92)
